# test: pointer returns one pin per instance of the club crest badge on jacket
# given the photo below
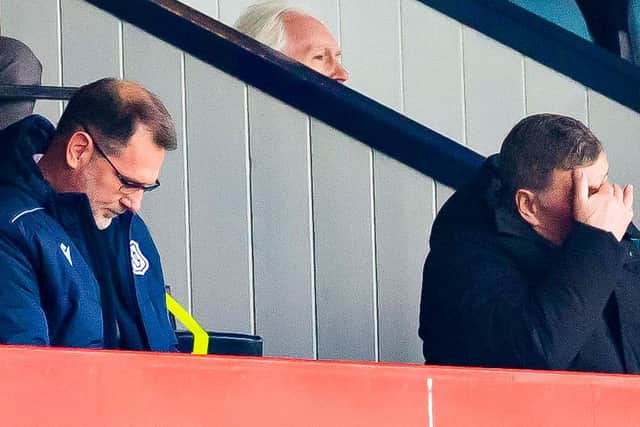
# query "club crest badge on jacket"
(139, 262)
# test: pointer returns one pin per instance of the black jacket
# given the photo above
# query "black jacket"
(497, 294)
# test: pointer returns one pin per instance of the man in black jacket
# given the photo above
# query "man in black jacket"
(535, 263)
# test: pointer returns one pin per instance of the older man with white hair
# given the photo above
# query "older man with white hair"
(295, 33)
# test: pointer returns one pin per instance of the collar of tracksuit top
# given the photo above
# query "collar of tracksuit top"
(71, 210)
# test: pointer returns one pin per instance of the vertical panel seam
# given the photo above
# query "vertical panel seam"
(339, 5)
(463, 78)
(402, 62)
(312, 242)
(588, 105)
(249, 189)
(60, 67)
(374, 254)
(185, 163)
(524, 85)
(121, 48)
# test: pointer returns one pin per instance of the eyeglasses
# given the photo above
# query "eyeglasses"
(128, 186)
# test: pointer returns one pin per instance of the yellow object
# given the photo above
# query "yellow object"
(200, 336)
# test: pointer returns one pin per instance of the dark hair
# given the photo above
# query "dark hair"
(539, 144)
(113, 109)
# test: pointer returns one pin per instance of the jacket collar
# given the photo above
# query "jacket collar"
(507, 219)
(18, 143)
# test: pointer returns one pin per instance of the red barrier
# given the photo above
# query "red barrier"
(59, 387)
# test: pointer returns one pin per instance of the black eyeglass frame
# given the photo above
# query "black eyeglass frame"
(128, 186)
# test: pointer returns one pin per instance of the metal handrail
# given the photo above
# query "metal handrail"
(358, 116)
(344, 109)
(36, 92)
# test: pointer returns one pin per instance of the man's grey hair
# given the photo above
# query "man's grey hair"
(264, 22)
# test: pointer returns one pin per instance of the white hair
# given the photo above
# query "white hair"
(264, 22)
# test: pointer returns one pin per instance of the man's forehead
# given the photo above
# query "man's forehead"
(596, 173)
(307, 32)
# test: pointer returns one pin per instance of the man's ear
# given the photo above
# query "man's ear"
(79, 150)
(526, 204)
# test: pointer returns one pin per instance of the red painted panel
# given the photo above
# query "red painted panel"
(51, 387)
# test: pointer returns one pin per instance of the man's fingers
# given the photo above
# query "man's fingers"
(580, 187)
(617, 192)
(627, 197)
(606, 189)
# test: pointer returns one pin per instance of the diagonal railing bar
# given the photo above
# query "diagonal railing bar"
(337, 105)
(36, 92)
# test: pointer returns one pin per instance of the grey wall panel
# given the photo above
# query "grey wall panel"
(230, 10)
(432, 63)
(494, 91)
(343, 218)
(208, 7)
(433, 74)
(404, 213)
(90, 43)
(157, 66)
(550, 92)
(282, 237)
(221, 262)
(442, 194)
(618, 128)
(371, 46)
(36, 22)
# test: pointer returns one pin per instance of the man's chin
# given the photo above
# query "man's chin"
(103, 222)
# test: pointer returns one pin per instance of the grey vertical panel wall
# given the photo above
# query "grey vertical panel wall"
(373, 60)
(345, 267)
(274, 223)
(282, 226)
(432, 46)
(404, 212)
(549, 92)
(208, 7)
(494, 91)
(221, 258)
(37, 24)
(91, 46)
(230, 10)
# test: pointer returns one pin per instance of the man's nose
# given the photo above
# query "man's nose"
(133, 201)
(340, 73)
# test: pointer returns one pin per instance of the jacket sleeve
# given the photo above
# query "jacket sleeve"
(22, 319)
(513, 322)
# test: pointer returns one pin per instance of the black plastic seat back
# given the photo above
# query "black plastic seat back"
(224, 343)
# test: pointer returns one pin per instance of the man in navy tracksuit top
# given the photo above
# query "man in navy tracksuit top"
(78, 267)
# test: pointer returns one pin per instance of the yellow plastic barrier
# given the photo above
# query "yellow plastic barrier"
(200, 336)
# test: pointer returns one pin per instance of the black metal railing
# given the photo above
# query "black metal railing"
(36, 92)
(340, 107)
